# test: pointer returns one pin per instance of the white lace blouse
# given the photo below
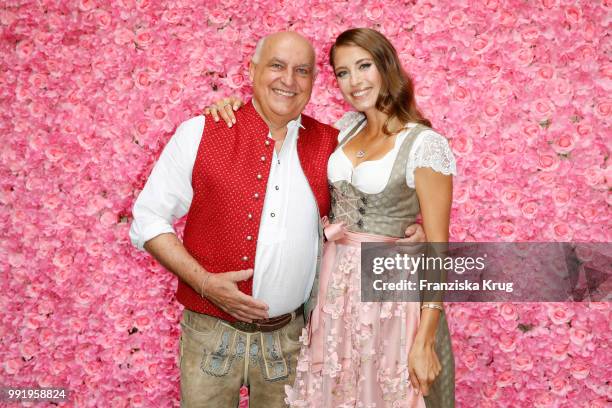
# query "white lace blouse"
(430, 149)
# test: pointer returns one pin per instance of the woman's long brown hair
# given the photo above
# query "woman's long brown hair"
(396, 97)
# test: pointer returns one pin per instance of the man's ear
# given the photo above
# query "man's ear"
(251, 70)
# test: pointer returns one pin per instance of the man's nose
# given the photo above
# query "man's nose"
(288, 78)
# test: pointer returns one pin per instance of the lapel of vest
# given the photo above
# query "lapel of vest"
(309, 153)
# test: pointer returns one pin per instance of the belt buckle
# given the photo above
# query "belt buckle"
(245, 327)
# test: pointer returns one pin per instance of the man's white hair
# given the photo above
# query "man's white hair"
(257, 54)
(260, 46)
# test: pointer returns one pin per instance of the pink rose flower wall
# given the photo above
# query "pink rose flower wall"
(91, 91)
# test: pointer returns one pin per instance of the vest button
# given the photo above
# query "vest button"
(250, 216)
(256, 196)
(267, 143)
(245, 258)
(263, 158)
(249, 237)
(259, 177)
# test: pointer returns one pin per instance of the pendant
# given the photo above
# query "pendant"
(360, 154)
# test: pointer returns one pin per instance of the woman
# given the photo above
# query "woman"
(389, 166)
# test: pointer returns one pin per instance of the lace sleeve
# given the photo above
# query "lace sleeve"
(431, 150)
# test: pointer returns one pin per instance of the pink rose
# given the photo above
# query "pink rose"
(530, 34)
(108, 218)
(456, 18)
(560, 313)
(469, 359)
(143, 322)
(578, 336)
(501, 92)
(563, 144)
(594, 176)
(159, 112)
(63, 258)
(559, 385)
(561, 232)
(543, 400)
(461, 194)
(235, 79)
(171, 16)
(12, 366)
(505, 379)
(603, 108)
(481, 44)
(558, 351)
(548, 162)
(580, 369)
(492, 5)
(561, 196)
(374, 13)
(123, 36)
(491, 110)
(86, 5)
(524, 57)
(16, 259)
(142, 79)
(142, 4)
(506, 231)
(174, 94)
(546, 72)
(573, 14)
(522, 362)
(489, 162)
(461, 93)
(549, 3)
(510, 196)
(218, 17)
(461, 145)
(507, 343)
(457, 232)
(143, 39)
(508, 311)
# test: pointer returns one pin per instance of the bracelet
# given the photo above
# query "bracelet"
(203, 283)
(432, 306)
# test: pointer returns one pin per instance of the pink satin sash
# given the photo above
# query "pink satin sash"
(336, 234)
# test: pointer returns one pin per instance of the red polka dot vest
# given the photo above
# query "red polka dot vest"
(229, 180)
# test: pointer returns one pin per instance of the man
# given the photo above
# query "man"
(254, 195)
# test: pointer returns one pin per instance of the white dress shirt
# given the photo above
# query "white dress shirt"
(287, 245)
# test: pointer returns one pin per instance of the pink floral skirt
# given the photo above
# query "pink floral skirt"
(354, 354)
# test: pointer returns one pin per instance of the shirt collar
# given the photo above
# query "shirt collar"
(292, 127)
(294, 124)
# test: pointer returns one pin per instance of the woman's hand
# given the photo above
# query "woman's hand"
(423, 366)
(225, 109)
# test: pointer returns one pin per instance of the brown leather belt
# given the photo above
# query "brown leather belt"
(268, 325)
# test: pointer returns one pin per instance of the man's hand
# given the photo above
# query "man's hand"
(414, 233)
(222, 290)
(225, 108)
